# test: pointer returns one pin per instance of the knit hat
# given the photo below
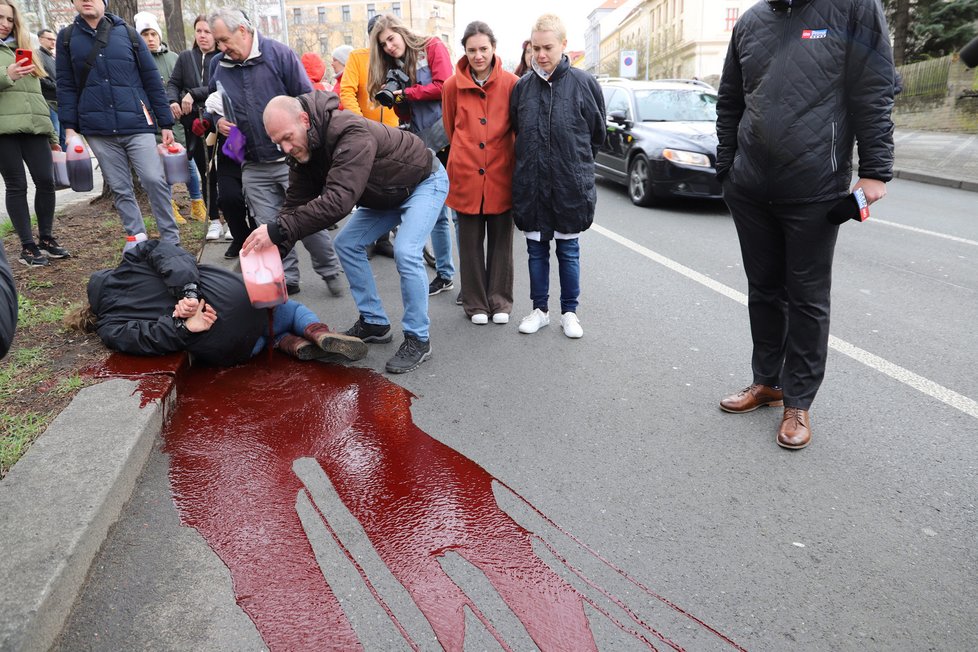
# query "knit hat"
(342, 53)
(144, 21)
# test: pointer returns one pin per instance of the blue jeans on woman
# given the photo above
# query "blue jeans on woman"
(414, 220)
(441, 243)
(569, 270)
(290, 317)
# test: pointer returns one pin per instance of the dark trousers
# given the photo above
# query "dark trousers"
(485, 255)
(787, 251)
(232, 202)
(35, 151)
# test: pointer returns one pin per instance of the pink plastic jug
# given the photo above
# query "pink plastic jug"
(264, 277)
(60, 161)
(175, 163)
(79, 164)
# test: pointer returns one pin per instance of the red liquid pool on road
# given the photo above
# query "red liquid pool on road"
(232, 440)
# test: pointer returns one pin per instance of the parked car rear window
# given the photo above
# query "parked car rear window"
(676, 106)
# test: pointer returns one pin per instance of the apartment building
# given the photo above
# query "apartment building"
(672, 38)
(317, 26)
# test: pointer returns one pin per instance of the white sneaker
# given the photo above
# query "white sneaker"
(480, 318)
(214, 231)
(571, 325)
(500, 318)
(534, 321)
(227, 233)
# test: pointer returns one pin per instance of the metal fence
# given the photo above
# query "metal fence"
(926, 78)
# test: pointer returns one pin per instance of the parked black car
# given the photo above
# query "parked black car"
(662, 139)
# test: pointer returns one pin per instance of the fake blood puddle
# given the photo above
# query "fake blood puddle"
(234, 439)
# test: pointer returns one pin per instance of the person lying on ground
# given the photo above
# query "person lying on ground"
(8, 305)
(160, 301)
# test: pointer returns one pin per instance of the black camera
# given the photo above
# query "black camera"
(396, 80)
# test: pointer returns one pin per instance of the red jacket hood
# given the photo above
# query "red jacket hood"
(314, 65)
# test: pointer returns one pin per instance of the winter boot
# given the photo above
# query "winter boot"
(352, 348)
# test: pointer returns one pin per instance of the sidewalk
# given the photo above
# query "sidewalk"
(938, 158)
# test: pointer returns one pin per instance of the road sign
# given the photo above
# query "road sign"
(628, 64)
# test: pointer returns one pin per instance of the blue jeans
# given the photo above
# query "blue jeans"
(290, 317)
(569, 270)
(441, 243)
(58, 129)
(414, 219)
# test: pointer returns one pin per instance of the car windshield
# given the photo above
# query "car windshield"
(676, 106)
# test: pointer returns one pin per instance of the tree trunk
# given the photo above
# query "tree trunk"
(125, 9)
(173, 13)
(901, 26)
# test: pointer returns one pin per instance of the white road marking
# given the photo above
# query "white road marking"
(936, 234)
(947, 396)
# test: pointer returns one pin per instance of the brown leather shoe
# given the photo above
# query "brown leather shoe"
(751, 398)
(351, 348)
(795, 431)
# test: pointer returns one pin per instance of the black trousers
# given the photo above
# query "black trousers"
(35, 151)
(197, 149)
(787, 251)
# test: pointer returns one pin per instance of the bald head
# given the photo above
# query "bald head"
(286, 124)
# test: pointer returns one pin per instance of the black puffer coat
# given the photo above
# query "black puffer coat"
(8, 305)
(559, 125)
(134, 303)
(799, 84)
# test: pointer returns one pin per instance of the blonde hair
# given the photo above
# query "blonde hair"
(381, 62)
(551, 23)
(23, 38)
(81, 317)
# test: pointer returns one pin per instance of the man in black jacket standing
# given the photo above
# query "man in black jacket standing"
(802, 80)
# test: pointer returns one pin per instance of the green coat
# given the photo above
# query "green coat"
(23, 110)
(165, 62)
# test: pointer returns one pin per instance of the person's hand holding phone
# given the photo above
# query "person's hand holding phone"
(22, 66)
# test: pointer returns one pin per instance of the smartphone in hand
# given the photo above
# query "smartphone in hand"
(21, 55)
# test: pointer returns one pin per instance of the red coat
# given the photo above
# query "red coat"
(481, 158)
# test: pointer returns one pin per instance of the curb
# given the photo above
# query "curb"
(60, 500)
(935, 179)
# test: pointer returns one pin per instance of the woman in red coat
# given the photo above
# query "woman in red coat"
(475, 110)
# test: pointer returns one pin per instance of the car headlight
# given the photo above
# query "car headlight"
(686, 158)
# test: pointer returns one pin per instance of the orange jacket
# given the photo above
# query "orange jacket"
(353, 90)
(481, 158)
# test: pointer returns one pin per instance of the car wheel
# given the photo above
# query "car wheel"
(640, 181)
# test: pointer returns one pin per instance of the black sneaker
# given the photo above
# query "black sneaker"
(292, 289)
(32, 256)
(50, 247)
(232, 252)
(440, 284)
(373, 333)
(410, 356)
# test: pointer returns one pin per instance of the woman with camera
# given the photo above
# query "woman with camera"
(480, 172)
(407, 72)
(26, 136)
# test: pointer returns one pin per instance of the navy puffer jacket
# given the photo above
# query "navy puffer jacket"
(799, 84)
(119, 93)
(559, 125)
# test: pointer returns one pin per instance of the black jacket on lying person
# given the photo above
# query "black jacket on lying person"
(8, 305)
(135, 301)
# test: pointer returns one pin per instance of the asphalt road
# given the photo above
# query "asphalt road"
(866, 540)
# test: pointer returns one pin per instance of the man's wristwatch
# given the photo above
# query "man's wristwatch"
(189, 291)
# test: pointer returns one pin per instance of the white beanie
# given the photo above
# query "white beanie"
(144, 21)
(342, 53)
